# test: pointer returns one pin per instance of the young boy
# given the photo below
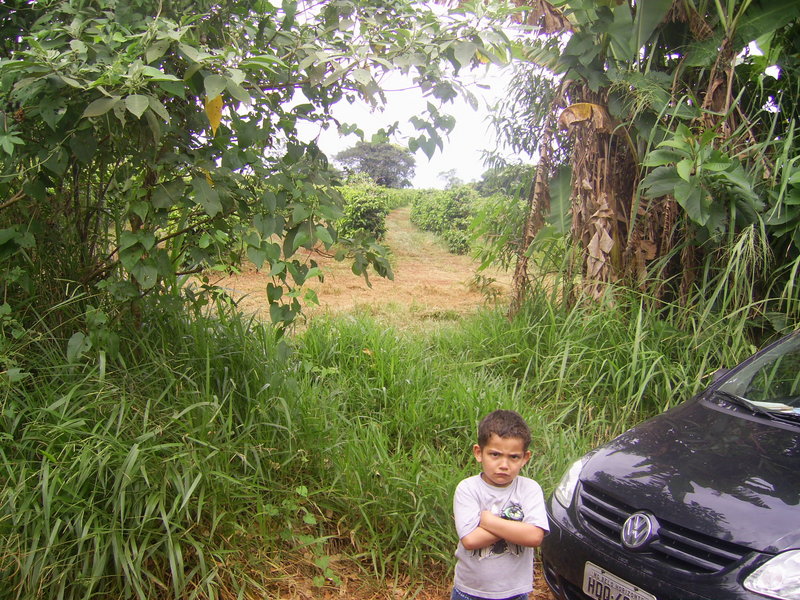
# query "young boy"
(499, 515)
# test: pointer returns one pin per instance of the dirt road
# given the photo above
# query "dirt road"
(430, 285)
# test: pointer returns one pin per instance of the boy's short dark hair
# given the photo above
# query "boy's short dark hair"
(504, 424)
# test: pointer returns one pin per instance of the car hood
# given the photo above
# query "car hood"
(730, 475)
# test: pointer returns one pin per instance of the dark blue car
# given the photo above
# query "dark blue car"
(700, 502)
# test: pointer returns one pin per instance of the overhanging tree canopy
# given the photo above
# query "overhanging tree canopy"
(139, 141)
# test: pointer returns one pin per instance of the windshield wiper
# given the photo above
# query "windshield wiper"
(743, 402)
(756, 409)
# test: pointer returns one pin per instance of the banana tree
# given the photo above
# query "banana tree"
(679, 137)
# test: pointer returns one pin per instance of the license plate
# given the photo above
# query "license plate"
(599, 584)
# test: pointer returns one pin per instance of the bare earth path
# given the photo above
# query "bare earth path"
(430, 285)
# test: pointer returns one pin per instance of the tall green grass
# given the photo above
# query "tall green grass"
(207, 456)
(143, 479)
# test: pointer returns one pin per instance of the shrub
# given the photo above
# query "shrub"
(427, 210)
(496, 229)
(396, 198)
(365, 210)
(448, 214)
(457, 240)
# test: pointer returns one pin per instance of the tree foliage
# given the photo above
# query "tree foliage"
(512, 179)
(386, 164)
(680, 140)
(145, 141)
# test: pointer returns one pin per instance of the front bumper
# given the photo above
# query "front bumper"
(567, 548)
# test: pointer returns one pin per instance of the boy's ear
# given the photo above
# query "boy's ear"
(476, 452)
(528, 455)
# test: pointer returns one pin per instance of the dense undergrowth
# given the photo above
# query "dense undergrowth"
(207, 453)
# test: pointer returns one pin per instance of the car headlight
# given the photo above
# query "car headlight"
(779, 577)
(566, 487)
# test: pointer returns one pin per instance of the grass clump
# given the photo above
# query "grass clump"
(144, 476)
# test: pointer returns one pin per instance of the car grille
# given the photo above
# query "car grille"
(675, 546)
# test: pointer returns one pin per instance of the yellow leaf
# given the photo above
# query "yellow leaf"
(482, 57)
(214, 112)
(583, 112)
(208, 177)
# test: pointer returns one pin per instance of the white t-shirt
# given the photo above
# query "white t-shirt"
(503, 569)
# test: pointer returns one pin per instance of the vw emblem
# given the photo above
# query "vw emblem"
(638, 531)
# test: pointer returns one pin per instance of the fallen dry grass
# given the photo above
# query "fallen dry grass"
(355, 585)
(430, 286)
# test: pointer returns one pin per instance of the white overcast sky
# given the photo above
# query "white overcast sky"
(462, 148)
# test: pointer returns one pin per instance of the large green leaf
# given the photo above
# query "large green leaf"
(158, 75)
(137, 104)
(694, 200)
(764, 17)
(167, 194)
(662, 156)
(684, 168)
(718, 218)
(620, 33)
(660, 182)
(146, 274)
(77, 345)
(465, 52)
(206, 196)
(257, 256)
(265, 225)
(649, 14)
(130, 257)
(214, 85)
(560, 202)
(100, 106)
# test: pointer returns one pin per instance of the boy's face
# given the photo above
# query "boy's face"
(501, 459)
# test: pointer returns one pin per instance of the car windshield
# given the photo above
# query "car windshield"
(769, 383)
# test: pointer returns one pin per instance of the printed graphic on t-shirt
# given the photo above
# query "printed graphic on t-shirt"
(512, 512)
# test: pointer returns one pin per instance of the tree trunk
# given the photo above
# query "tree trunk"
(538, 203)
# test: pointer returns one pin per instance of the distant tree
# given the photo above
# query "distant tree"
(387, 164)
(451, 178)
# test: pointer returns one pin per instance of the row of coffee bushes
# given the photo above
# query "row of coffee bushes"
(366, 205)
(447, 213)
